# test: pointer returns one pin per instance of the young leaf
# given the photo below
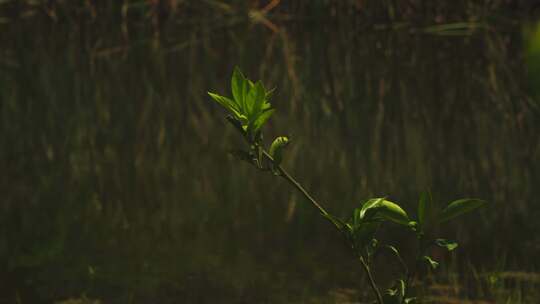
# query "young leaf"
(391, 296)
(261, 119)
(395, 294)
(240, 87)
(433, 264)
(255, 100)
(276, 149)
(393, 212)
(226, 103)
(357, 217)
(370, 205)
(398, 256)
(459, 207)
(393, 250)
(410, 300)
(448, 244)
(379, 208)
(402, 288)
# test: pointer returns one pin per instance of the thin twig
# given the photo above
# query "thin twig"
(283, 173)
(371, 281)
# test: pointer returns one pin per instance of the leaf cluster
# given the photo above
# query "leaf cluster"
(249, 105)
(249, 110)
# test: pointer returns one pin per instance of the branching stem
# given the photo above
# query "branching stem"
(283, 173)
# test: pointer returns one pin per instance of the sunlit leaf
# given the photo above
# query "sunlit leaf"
(392, 212)
(432, 263)
(255, 100)
(379, 208)
(370, 205)
(395, 294)
(240, 88)
(401, 286)
(226, 103)
(391, 296)
(393, 250)
(276, 149)
(448, 244)
(459, 207)
(266, 106)
(410, 300)
(261, 120)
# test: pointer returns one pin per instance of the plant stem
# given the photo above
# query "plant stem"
(297, 185)
(412, 274)
(371, 281)
(283, 173)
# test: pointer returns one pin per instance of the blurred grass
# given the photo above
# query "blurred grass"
(116, 183)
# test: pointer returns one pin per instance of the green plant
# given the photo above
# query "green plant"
(250, 109)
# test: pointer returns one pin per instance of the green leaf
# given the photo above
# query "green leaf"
(448, 244)
(369, 208)
(379, 208)
(393, 250)
(266, 106)
(261, 120)
(433, 264)
(391, 296)
(398, 256)
(254, 101)
(401, 286)
(413, 225)
(276, 149)
(240, 87)
(395, 294)
(410, 300)
(227, 104)
(459, 207)
(393, 212)
(357, 217)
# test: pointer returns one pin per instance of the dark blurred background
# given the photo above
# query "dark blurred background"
(116, 185)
